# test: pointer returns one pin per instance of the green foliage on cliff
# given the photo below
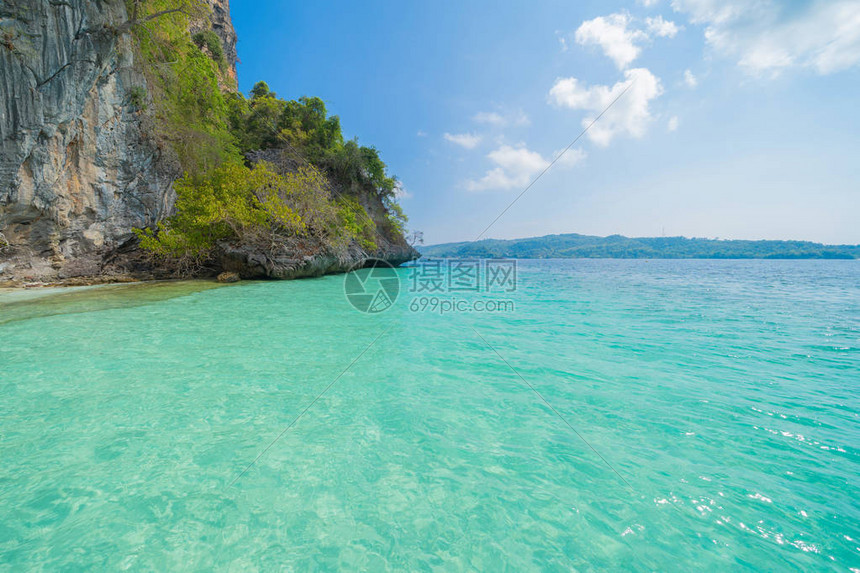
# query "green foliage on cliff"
(396, 219)
(265, 121)
(220, 197)
(256, 206)
(211, 42)
(137, 97)
(356, 223)
(190, 110)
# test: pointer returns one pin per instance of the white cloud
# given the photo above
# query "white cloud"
(630, 115)
(421, 133)
(400, 191)
(516, 167)
(719, 11)
(690, 80)
(490, 117)
(648, 3)
(714, 11)
(562, 39)
(661, 28)
(673, 123)
(467, 140)
(619, 38)
(765, 38)
(570, 158)
(517, 118)
(614, 36)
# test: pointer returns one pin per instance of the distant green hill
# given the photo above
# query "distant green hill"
(570, 246)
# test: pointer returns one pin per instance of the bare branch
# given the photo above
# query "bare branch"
(134, 21)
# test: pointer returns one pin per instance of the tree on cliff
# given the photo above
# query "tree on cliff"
(324, 200)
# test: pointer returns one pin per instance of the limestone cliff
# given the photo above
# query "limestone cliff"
(79, 163)
(92, 140)
(219, 21)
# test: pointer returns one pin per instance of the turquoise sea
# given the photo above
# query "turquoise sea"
(625, 415)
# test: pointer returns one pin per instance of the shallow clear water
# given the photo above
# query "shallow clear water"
(725, 393)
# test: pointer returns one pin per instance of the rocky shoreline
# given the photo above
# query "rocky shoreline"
(134, 266)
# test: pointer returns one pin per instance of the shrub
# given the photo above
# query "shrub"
(257, 206)
(211, 42)
(397, 219)
(261, 89)
(137, 97)
(356, 223)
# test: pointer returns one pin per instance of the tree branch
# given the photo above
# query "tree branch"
(135, 21)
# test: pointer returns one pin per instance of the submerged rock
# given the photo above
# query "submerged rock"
(226, 277)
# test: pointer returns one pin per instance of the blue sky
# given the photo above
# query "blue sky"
(741, 122)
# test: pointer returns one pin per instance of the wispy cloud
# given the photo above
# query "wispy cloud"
(400, 192)
(690, 80)
(765, 38)
(491, 117)
(672, 125)
(562, 40)
(630, 115)
(516, 166)
(661, 28)
(497, 119)
(570, 158)
(466, 140)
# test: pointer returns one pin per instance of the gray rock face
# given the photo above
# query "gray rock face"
(250, 263)
(78, 166)
(80, 163)
(222, 25)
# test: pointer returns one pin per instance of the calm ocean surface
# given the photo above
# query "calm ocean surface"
(725, 393)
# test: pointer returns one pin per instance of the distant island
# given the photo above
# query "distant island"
(573, 245)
